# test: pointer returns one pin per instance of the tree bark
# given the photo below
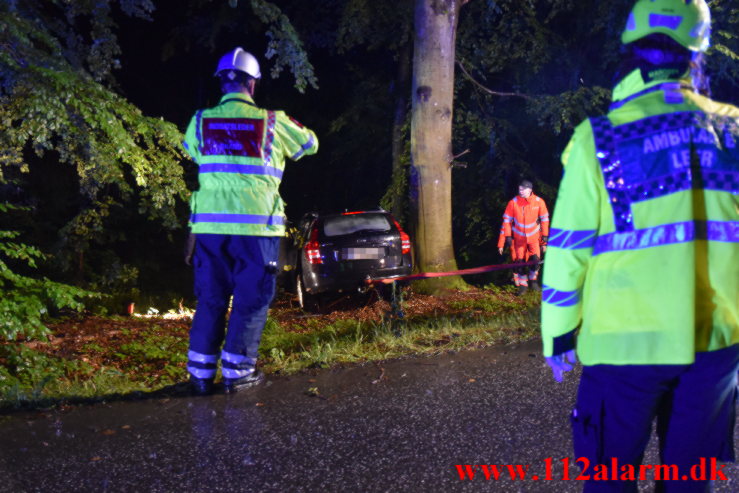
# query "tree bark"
(431, 139)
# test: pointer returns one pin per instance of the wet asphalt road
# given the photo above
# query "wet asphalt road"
(399, 426)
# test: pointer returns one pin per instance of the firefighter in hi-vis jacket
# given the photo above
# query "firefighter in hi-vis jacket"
(525, 231)
(237, 221)
(642, 271)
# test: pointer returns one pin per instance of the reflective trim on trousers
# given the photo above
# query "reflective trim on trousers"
(236, 365)
(520, 279)
(237, 359)
(202, 358)
(202, 365)
(201, 372)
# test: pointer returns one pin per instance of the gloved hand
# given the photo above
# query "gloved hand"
(544, 241)
(506, 245)
(189, 249)
(561, 363)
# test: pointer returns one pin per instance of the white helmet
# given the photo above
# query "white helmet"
(240, 60)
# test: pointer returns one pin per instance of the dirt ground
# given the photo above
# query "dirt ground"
(94, 339)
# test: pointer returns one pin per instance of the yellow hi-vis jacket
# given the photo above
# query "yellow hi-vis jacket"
(240, 150)
(643, 252)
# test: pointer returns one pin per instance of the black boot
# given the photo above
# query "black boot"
(201, 386)
(231, 385)
(522, 290)
(534, 286)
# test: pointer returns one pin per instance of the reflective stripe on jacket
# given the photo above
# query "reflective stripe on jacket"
(643, 254)
(240, 150)
(524, 219)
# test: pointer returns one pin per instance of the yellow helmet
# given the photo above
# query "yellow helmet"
(686, 21)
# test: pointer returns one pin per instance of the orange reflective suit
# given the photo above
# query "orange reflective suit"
(526, 220)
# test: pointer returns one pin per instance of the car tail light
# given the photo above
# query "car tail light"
(405, 240)
(312, 251)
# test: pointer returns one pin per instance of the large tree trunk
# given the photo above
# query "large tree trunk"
(431, 139)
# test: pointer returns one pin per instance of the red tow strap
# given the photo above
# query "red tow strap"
(474, 270)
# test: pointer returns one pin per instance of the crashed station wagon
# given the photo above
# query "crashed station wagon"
(338, 253)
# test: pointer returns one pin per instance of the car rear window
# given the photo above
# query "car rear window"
(352, 223)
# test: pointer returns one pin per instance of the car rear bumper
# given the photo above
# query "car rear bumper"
(321, 281)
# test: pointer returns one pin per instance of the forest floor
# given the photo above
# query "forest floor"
(90, 357)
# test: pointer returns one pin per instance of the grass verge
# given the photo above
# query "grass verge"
(100, 358)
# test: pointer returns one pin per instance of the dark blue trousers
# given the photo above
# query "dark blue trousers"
(226, 265)
(695, 409)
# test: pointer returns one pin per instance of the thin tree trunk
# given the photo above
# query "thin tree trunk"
(431, 138)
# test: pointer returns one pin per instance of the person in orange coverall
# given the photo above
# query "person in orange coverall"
(525, 231)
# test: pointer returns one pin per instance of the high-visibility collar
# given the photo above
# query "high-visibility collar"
(524, 202)
(237, 96)
(633, 86)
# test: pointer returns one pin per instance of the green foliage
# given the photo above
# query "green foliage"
(152, 345)
(284, 45)
(565, 110)
(26, 300)
(496, 303)
(723, 62)
(26, 373)
(59, 108)
(24, 307)
(138, 359)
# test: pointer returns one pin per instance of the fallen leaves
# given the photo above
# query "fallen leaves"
(381, 377)
(313, 392)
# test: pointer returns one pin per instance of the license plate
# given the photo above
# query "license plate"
(362, 253)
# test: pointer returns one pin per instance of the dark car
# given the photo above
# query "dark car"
(337, 253)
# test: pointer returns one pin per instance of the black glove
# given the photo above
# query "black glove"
(189, 249)
(544, 240)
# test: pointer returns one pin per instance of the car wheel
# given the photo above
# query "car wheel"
(307, 301)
